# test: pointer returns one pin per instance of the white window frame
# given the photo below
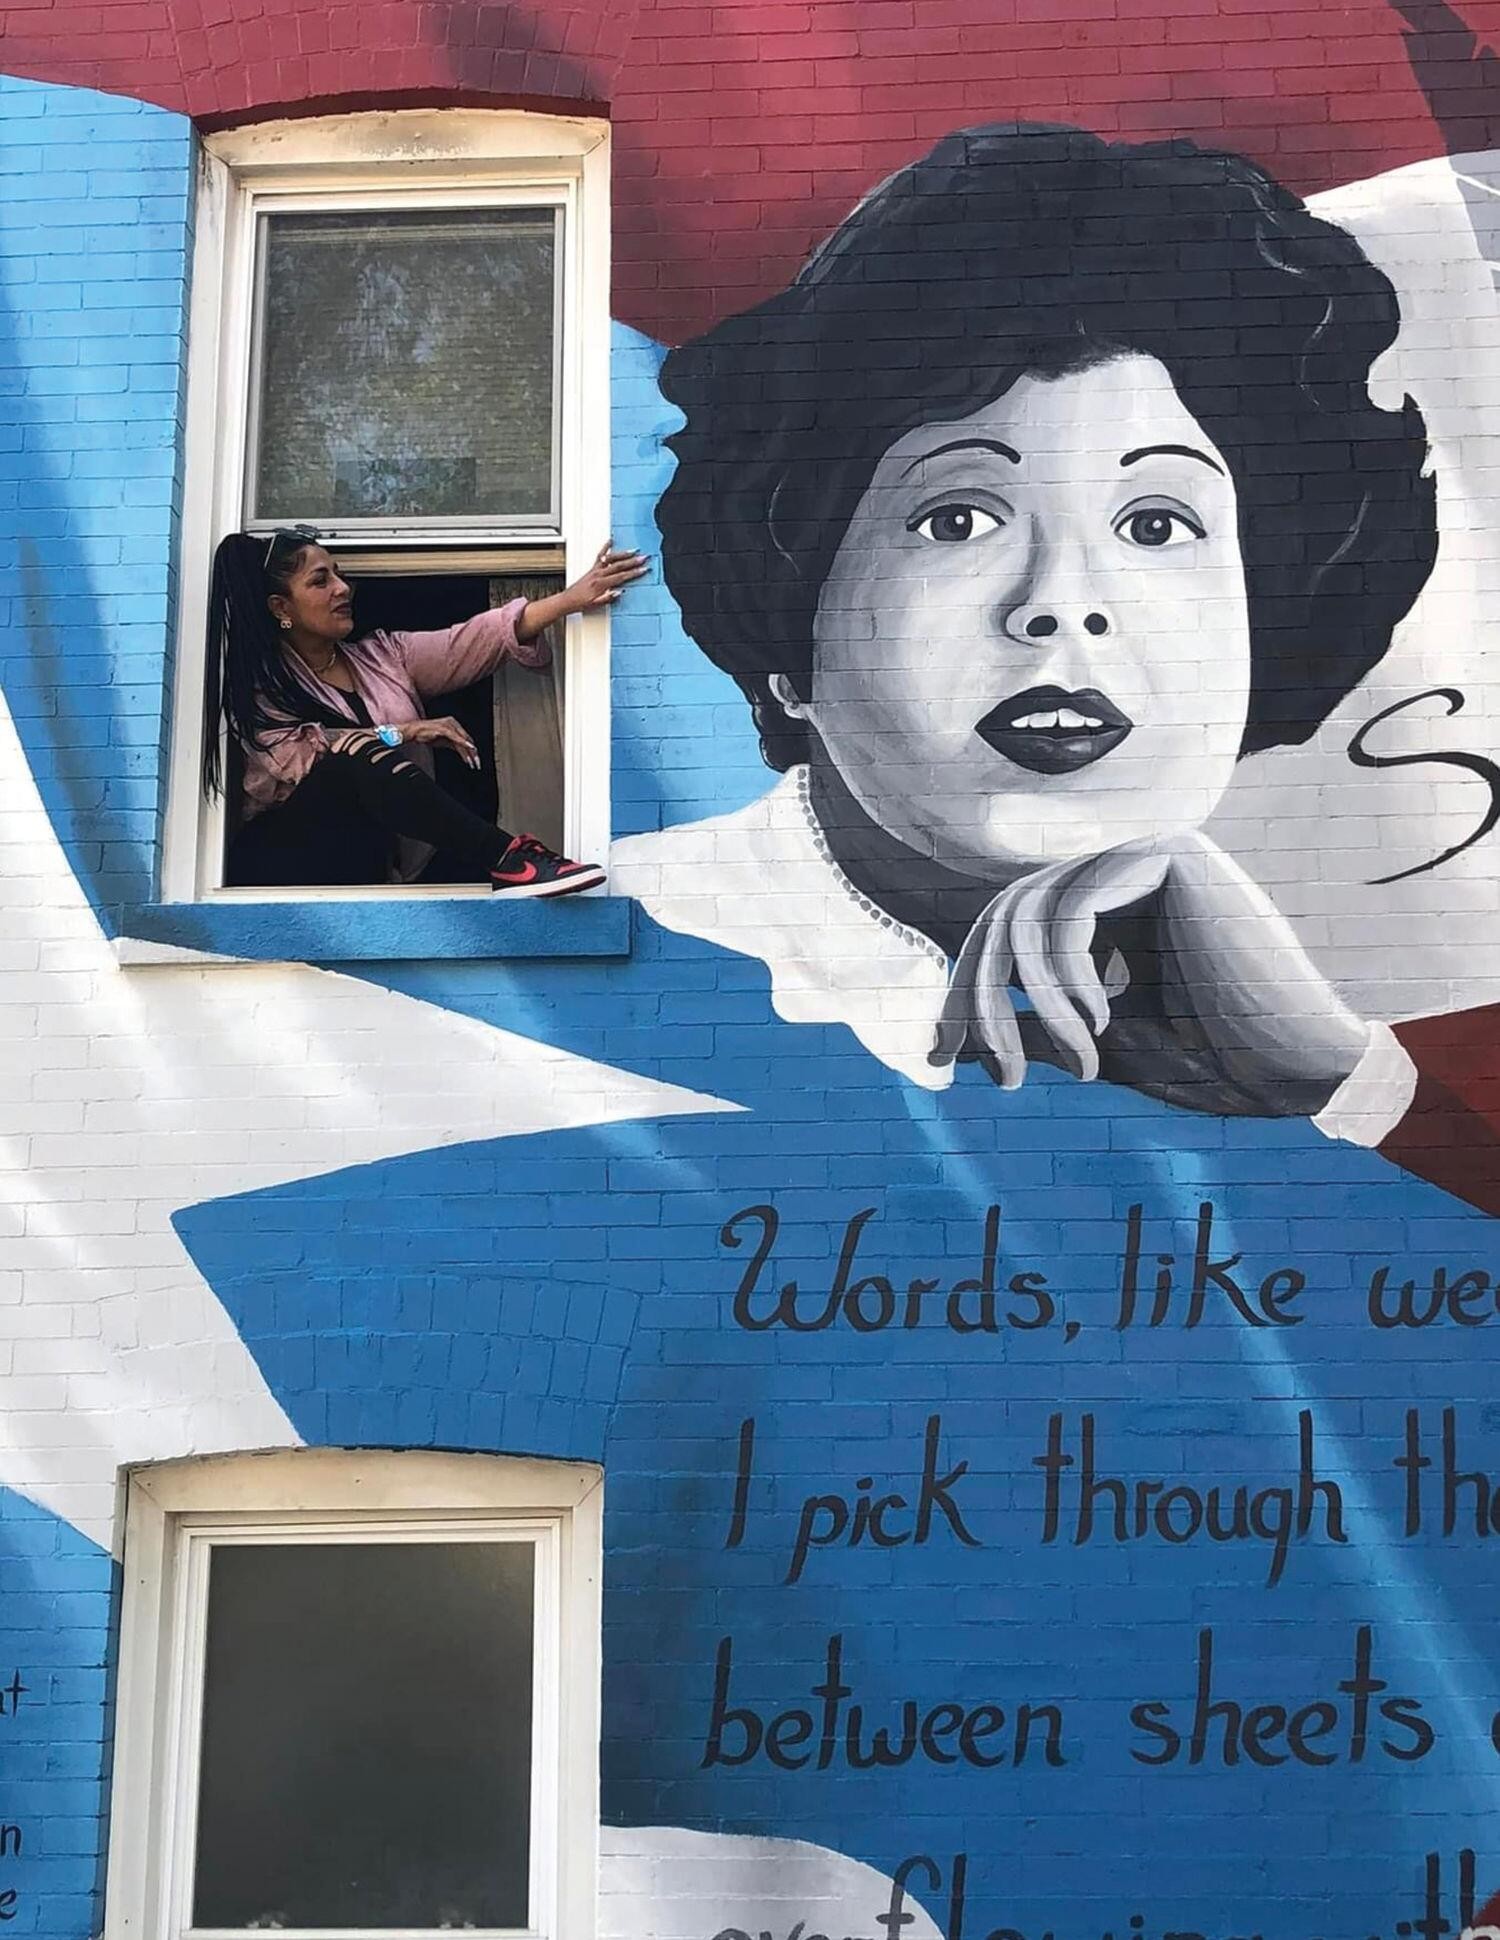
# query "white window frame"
(412, 158)
(174, 1515)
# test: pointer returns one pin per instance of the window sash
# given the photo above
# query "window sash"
(411, 158)
(556, 200)
(195, 1542)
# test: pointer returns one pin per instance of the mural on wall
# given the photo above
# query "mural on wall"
(1052, 490)
(1068, 1364)
(1103, 541)
(1014, 1231)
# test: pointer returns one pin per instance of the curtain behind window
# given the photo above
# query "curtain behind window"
(528, 707)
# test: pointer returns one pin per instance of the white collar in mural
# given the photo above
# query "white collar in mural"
(760, 881)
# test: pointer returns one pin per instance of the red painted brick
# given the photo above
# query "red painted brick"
(291, 77)
(888, 13)
(325, 71)
(873, 71)
(773, 129)
(829, 94)
(932, 94)
(1088, 90)
(823, 43)
(697, 78)
(800, 100)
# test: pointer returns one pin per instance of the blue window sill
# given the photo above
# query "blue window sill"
(373, 929)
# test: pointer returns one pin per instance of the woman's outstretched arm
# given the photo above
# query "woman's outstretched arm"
(447, 658)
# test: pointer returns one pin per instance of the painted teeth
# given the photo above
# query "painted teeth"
(1063, 717)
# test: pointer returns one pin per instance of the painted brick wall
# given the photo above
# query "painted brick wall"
(744, 130)
(94, 249)
(56, 1595)
(505, 1206)
(746, 133)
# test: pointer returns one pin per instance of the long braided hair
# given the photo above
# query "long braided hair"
(252, 685)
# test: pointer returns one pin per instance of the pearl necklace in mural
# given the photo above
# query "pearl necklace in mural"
(887, 922)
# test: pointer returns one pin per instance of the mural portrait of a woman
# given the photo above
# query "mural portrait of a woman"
(1050, 490)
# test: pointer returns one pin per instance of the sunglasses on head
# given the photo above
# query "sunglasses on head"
(290, 535)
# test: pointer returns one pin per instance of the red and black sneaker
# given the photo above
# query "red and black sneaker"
(530, 868)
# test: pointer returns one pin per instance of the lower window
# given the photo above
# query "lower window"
(358, 1695)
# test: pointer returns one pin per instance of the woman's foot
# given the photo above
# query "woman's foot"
(530, 868)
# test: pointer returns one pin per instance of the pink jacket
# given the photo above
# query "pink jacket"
(395, 675)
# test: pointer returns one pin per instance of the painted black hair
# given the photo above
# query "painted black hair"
(251, 686)
(1027, 249)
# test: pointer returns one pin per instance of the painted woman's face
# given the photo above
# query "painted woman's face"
(1034, 641)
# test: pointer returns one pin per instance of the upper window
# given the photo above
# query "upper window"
(356, 1698)
(400, 336)
(404, 370)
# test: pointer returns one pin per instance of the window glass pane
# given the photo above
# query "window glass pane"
(367, 1730)
(405, 365)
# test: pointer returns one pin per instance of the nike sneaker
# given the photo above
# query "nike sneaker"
(530, 868)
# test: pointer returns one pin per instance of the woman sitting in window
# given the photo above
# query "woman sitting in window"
(322, 722)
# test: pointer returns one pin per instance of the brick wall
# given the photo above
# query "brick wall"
(95, 241)
(745, 130)
(507, 1205)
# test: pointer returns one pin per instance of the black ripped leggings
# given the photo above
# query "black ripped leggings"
(340, 823)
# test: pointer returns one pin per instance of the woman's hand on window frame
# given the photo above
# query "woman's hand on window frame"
(600, 586)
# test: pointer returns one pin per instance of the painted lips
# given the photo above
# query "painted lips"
(1052, 732)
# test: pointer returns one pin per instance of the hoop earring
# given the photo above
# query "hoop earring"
(285, 625)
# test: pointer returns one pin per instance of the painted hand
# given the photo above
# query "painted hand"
(1039, 933)
(1236, 986)
(1237, 981)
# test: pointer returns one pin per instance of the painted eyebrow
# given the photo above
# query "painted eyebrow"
(1172, 451)
(966, 444)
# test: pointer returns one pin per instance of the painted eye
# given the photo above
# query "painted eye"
(954, 525)
(1155, 526)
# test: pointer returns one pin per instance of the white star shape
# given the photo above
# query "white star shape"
(129, 1093)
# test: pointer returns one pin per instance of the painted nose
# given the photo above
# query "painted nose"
(1032, 624)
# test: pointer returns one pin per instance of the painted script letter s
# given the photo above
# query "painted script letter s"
(1473, 764)
(770, 1225)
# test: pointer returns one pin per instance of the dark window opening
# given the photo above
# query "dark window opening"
(416, 602)
(366, 1746)
(514, 716)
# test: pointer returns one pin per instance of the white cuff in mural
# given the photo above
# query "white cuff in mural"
(1376, 1095)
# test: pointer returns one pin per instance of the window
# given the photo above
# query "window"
(402, 369)
(400, 334)
(358, 1696)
